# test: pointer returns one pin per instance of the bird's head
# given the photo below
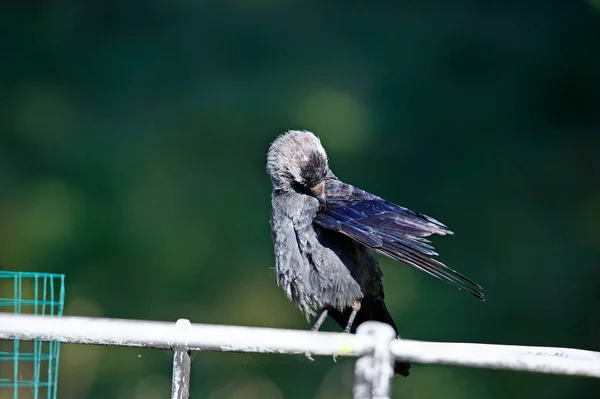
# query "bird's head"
(297, 161)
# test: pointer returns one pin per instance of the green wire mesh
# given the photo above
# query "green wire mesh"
(29, 369)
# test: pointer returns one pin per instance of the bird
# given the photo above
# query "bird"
(326, 234)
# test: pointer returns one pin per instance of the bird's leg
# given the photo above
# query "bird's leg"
(355, 308)
(319, 321)
(315, 328)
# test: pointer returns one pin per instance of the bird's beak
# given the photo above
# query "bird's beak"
(319, 192)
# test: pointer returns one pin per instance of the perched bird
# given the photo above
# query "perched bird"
(325, 234)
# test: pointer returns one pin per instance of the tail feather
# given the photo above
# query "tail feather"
(371, 309)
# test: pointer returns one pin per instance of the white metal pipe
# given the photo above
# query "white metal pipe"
(180, 386)
(253, 339)
(383, 359)
(524, 358)
(165, 335)
(374, 371)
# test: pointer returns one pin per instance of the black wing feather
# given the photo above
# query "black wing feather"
(389, 229)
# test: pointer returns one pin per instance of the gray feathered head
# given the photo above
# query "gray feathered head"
(296, 160)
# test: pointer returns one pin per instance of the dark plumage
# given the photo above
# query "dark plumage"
(325, 233)
(389, 229)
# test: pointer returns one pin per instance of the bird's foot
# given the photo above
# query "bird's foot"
(315, 328)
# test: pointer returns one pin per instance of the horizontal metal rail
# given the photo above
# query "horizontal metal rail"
(373, 342)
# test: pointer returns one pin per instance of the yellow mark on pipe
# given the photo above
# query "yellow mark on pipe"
(345, 345)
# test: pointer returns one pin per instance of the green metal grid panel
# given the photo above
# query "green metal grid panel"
(29, 369)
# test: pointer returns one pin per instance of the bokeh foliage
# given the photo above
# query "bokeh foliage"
(132, 148)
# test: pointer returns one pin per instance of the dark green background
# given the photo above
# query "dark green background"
(133, 138)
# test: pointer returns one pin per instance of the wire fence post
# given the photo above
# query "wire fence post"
(180, 388)
(374, 370)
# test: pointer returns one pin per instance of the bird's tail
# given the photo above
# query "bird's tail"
(371, 309)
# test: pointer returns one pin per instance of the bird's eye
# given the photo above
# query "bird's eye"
(300, 187)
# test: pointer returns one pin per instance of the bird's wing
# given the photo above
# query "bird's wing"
(389, 229)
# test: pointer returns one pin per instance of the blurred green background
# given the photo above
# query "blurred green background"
(133, 138)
